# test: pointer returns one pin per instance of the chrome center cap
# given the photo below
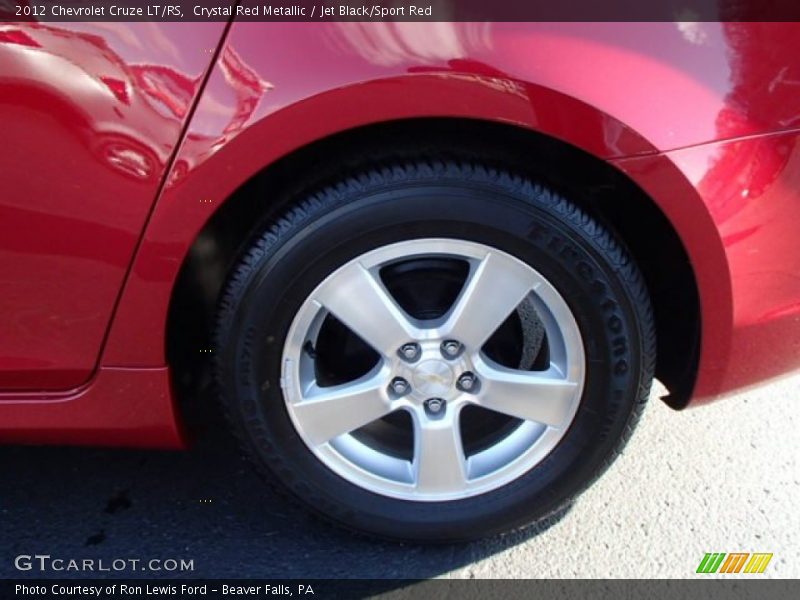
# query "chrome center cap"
(433, 378)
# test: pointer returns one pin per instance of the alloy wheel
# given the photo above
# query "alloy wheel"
(389, 410)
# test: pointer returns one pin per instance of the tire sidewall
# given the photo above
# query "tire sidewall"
(537, 227)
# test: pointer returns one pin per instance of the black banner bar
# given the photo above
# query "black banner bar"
(733, 588)
(399, 10)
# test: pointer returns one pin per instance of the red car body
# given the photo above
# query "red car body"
(121, 141)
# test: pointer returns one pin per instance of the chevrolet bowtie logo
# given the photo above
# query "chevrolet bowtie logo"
(433, 378)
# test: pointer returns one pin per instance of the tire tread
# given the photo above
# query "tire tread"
(374, 177)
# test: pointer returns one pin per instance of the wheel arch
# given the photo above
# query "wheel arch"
(598, 187)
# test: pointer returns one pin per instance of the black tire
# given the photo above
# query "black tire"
(583, 260)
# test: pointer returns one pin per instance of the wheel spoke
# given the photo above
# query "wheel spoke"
(443, 370)
(542, 396)
(439, 463)
(363, 304)
(326, 413)
(493, 290)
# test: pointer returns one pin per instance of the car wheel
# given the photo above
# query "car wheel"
(434, 351)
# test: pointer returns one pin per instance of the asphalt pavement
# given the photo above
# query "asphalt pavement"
(719, 478)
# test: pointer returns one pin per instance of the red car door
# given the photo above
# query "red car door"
(90, 115)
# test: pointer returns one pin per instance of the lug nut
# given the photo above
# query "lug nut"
(399, 386)
(409, 352)
(434, 406)
(468, 382)
(451, 348)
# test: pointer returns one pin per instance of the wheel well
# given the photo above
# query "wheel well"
(598, 188)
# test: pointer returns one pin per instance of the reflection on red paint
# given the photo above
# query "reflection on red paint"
(87, 137)
(247, 89)
(118, 87)
(17, 36)
(246, 84)
(166, 86)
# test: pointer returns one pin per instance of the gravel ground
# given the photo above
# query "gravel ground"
(720, 478)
